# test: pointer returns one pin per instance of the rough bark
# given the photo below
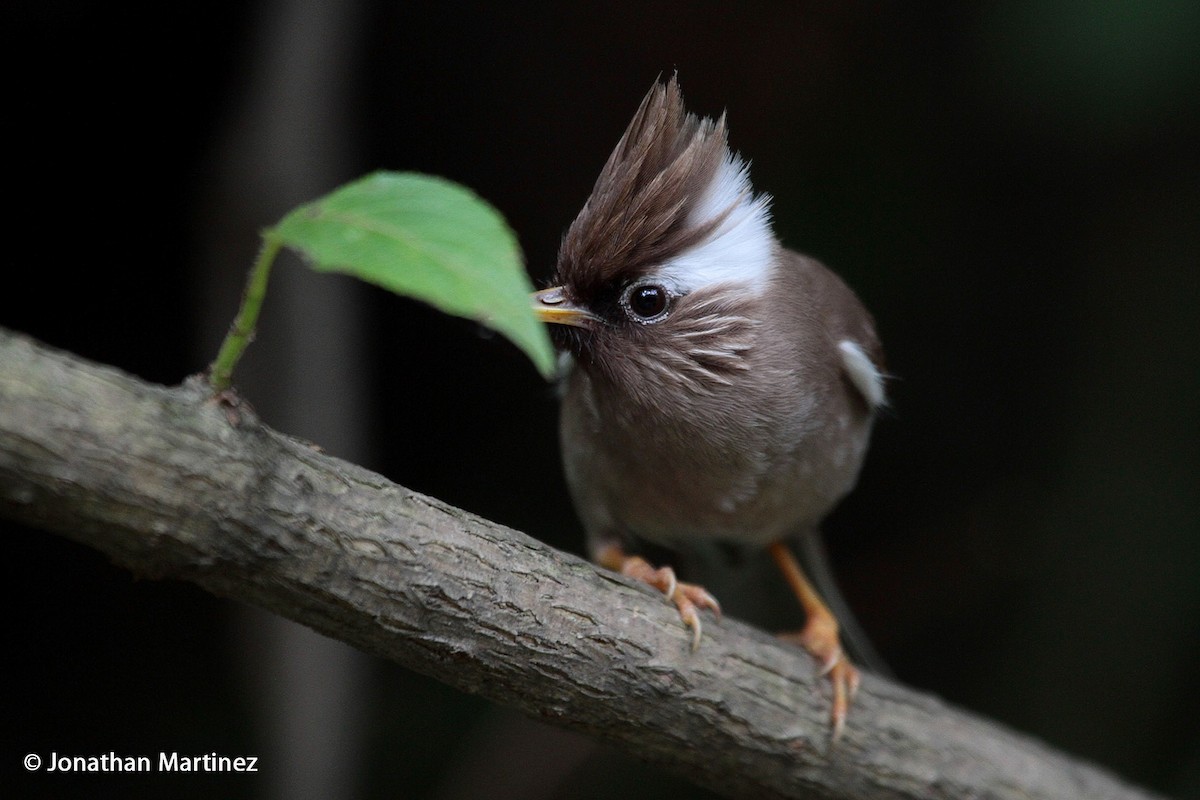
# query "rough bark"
(171, 484)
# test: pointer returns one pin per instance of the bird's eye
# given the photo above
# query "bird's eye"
(647, 302)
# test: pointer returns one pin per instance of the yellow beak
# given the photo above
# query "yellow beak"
(551, 305)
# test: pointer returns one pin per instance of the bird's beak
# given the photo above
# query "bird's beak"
(551, 305)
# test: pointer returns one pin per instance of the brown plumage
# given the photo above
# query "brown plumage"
(723, 387)
(637, 214)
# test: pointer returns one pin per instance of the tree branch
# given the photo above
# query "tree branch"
(171, 484)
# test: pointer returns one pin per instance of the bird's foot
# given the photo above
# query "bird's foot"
(689, 598)
(820, 638)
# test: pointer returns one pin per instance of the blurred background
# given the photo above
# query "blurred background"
(1013, 189)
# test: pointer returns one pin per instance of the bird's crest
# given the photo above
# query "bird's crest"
(672, 200)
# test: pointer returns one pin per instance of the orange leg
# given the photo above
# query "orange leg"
(819, 637)
(687, 597)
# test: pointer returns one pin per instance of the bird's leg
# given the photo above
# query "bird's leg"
(687, 597)
(819, 637)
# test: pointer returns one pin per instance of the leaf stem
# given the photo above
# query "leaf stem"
(241, 331)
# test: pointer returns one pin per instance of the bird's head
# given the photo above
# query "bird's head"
(658, 277)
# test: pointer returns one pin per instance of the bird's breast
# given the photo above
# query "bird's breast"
(729, 468)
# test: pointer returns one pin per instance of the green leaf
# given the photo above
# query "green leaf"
(428, 238)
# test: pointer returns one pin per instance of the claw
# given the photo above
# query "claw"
(834, 667)
(687, 597)
(700, 596)
(687, 612)
(831, 661)
(845, 679)
(820, 638)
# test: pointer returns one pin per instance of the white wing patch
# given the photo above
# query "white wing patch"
(862, 373)
(741, 249)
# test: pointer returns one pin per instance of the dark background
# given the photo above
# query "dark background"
(1012, 188)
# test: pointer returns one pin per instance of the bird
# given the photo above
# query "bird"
(716, 386)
